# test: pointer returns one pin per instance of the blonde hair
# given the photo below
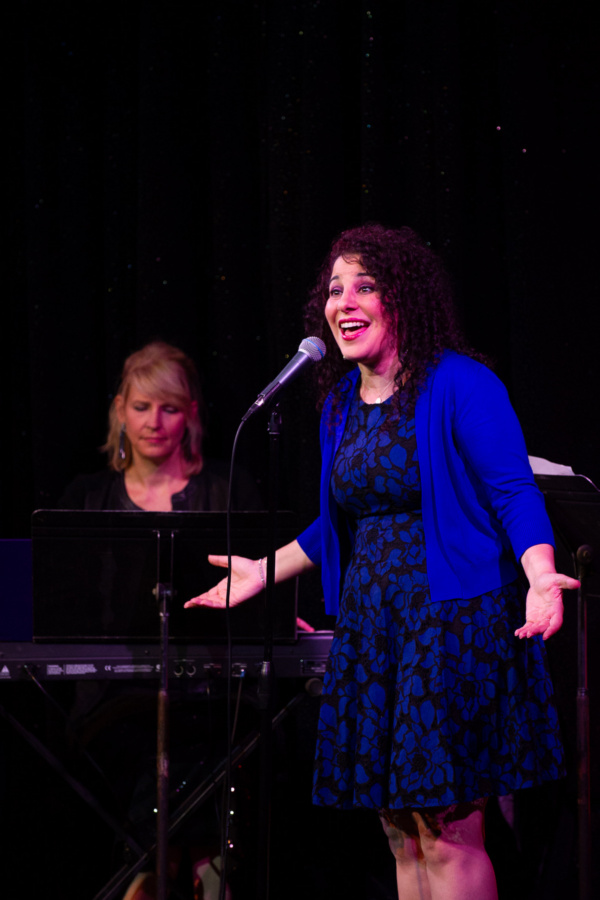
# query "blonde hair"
(163, 372)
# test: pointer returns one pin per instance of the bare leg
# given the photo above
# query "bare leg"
(452, 841)
(404, 841)
(447, 849)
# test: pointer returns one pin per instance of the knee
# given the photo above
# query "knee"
(438, 852)
(453, 838)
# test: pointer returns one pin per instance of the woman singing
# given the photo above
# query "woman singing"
(431, 702)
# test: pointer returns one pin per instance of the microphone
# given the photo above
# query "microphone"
(310, 351)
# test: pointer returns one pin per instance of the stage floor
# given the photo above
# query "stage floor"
(53, 842)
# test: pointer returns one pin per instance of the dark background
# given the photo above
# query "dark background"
(179, 170)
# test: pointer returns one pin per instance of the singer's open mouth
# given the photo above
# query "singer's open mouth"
(352, 328)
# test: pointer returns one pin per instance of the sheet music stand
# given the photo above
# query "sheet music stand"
(94, 573)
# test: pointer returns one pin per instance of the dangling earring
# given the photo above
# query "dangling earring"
(122, 453)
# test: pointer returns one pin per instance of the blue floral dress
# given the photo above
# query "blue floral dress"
(424, 703)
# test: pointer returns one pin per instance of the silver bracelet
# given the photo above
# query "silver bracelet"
(261, 573)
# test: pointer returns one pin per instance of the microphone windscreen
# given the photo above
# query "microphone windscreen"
(313, 347)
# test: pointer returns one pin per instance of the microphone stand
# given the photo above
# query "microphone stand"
(163, 593)
(266, 682)
(311, 350)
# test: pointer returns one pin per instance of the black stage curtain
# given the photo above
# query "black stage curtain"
(179, 170)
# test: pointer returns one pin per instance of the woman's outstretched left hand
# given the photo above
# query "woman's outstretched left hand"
(544, 608)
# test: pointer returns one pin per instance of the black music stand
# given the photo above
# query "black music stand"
(573, 504)
(94, 572)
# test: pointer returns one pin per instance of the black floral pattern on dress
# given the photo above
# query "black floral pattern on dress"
(424, 703)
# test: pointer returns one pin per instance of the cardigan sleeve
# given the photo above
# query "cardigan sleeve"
(488, 435)
(310, 541)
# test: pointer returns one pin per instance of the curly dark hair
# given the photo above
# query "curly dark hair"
(416, 291)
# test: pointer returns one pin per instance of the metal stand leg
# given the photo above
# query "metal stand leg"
(164, 593)
(199, 795)
(584, 561)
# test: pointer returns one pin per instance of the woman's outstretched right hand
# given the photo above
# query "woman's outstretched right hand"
(245, 583)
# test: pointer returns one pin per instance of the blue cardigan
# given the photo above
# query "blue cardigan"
(481, 506)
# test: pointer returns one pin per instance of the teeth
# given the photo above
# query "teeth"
(345, 326)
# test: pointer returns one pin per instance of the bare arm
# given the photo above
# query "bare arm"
(544, 610)
(246, 581)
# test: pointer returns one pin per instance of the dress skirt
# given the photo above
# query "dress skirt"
(424, 704)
